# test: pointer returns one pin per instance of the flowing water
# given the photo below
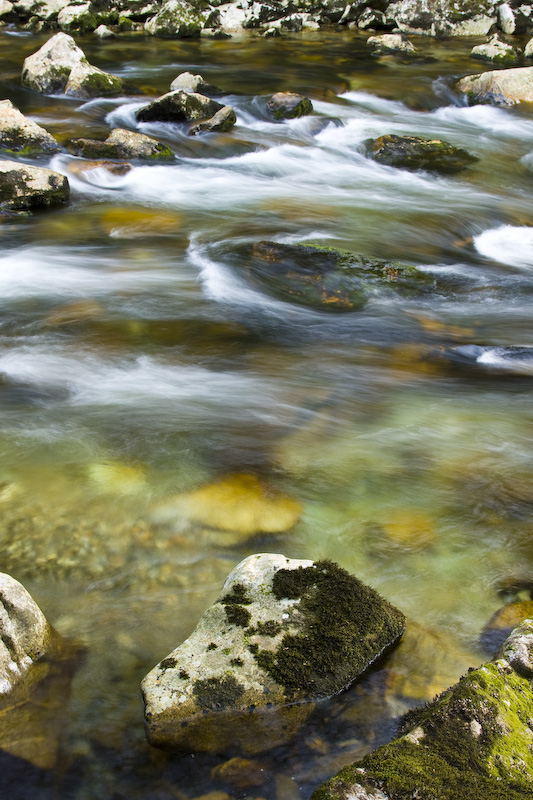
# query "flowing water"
(138, 363)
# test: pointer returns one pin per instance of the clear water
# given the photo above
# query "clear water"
(136, 362)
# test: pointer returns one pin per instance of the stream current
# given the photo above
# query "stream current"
(137, 363)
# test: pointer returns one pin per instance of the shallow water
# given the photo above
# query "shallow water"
(137, 362)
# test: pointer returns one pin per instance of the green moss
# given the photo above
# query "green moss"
(236, 662)
(184, 675)
(346, 626)
(168, 663)
(237, 595)
(212, 646)
(100, 83)
(216, 694)
(268, 628)
(238, 615)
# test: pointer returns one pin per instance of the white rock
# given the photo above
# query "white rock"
(17, 132)
(5, 8)
(103, 32)
(26, 187)
(49, 68)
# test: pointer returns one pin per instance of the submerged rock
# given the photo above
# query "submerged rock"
(282, 634)
(327, 278)
(288, 105)
(391, 43)
(496, 51)
(474, 740)
(222, 121)
(122, 143)
(18, 134)
(503, 87)
(60, 66)
(179, 106)
(416, 152)
(23, 187)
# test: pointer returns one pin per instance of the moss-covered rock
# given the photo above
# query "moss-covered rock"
(473, 742)
(86, 81)
(25, 188)
(176, 19)
(221, 122)
(496, 51)
(325, 277)
(179, 107)
(18, 134)
(122, 143)
(78, 17)
(282, 634)
(289, 105)
(417, 152)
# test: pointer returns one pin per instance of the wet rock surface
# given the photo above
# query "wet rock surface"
(122, 143)
(289, 105)
(496, 51)
(502, 87)
(23, 187)
(179, 106)
(282, 634)
(19, 134)
(416, 152)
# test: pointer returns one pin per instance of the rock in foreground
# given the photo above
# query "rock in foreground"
(26, 188)
(179, 106)
(416, 152)
(282, 634)
(473, 741)
(503, 87)
(19, 134)
(327, 278)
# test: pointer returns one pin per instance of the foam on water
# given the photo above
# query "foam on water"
(507, 244)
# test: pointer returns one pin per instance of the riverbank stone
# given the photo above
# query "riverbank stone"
(179, 106)
(327, 278)
(21, 135)
(283, 634)
(60, 66)
(503, 87)
(121, 144)
(473, 741)
(289, 105)
(417, 152)
(26, 188)
(176, 19)
(496, 51)
(79, 17)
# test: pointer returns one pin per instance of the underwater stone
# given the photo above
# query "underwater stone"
(254, 689)
(473, 741)
(416, 152)
(20, 134)
(288, 105)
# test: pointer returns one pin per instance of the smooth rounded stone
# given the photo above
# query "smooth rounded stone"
(327, 278)
(391, 43)
(289, 105)
(240, 503)
(22, 135)
(176, 19)
(179, 107)
(512, 21)
(473, 740)
(6, 8)
(24, 632)
(87, 81)
(503, 87)
(78, 17)
(222, 121)
(122, 143)
(103, 32)
(23, 187)
(187, 82)
(502, 623)
(496, 51)
(416, 152)
(282, 634)
(48, 69)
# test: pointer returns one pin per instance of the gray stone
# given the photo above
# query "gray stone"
(391, 43)
(496, 51)
(23, 187)
(121, 144)
(85, 81)
(18, 133)
(48, 69)
(288, 105)
(77, 17)
(179, 107)
(175, 20)
(518, 649)
(24, 631)
(187, 82)
(503, 87)
(222, 121)
(282, 634)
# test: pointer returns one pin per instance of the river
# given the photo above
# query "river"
(138, 363)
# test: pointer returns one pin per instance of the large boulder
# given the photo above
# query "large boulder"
(417, 152)
(176, 19)
(503, 87)
(122, 143)
(179, 107)
(283, 634)
(60, 66)
(18, 134)
(26, 188)
(473, 741)
(288, 105)
(327, 278)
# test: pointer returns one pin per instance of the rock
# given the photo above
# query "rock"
(391, 43)
(241, 773)
(496, 51)
(6, 8)
(288, 105)
(103, 32)
(121, 144)
(80, 167)
(512, 20)
(327, 278)
(175, 20)
(239, 502)
(371, 19)
(473, 740)
(78, 17)
(60, 66)
(501, 624)
(528, 49)
(187, 82)
(282, 634)
(24, 187)
(179, 107)
(416, 152)
(443, 17)
(18, 134)
(45, 10)
(222, 121)
(503, 87)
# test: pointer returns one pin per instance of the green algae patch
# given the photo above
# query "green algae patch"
(329, 278)
(346, 626)
(216, 694)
